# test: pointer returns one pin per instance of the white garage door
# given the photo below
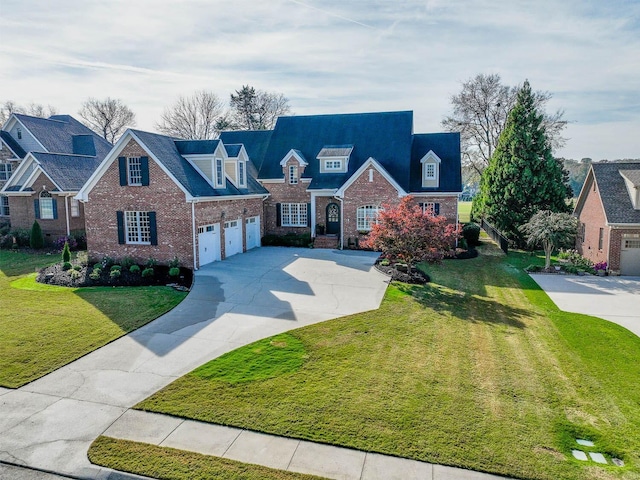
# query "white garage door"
(232, 238)
(208, 244)
(252, 231)
(630, 256)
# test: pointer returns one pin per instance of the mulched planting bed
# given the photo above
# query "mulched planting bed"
(400, 273)
(55, 275)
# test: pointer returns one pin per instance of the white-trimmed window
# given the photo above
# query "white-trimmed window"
(293, 174)
(366, 216)
(5, 171)
(134, 171)
(293, 214)
(19, 132)
(137, 227)
(46, 206)
(219, 172)
(242, 181)
(4, 206)
(429, 171)
(75, 207)
(432, 208)
(333, 165)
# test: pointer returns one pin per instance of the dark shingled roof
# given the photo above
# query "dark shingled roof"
(165, 150)
(196, 147)
(447, 147)
(69, 172)
(233, 150)
(56, 133)
(13, 145)
(255, 143)
(84, 145)
(613, 191)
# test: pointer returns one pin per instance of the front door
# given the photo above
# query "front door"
(333, 219)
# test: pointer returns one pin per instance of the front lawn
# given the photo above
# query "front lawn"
(464, 212)
(44, 327)
(478, 369)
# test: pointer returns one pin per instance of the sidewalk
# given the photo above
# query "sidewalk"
(278, 452)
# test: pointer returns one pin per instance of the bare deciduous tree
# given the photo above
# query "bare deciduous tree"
(33, 109)
(253, 109)
(109, 117)
(480, 112)
(194, 118)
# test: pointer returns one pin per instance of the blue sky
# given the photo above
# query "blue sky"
(333, 56)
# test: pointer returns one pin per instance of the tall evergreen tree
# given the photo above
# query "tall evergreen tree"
(522, 177)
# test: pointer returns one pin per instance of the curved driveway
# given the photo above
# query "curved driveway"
(51, 422)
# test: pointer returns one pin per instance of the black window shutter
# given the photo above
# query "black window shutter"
(436, 208)
(122, 166)
(278, 214)
(120, 216)
(144, 170)
(54, 203)
(36, 207)
(153, 229)
(308, 214)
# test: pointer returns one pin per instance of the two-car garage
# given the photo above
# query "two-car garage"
(211, 238)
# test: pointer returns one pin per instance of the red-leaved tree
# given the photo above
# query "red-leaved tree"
(406, 233)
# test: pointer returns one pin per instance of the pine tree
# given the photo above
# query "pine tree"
(522, 177)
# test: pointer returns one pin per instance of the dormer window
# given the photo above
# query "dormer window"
(242, 180)
(430, 170)
(333, 165)
(293, 174)
(19, 132)
(334, 158)
(219, 173)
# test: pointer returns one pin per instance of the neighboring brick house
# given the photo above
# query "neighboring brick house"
(43, 165)
(158, 197)
(608, 209)
(330, 174)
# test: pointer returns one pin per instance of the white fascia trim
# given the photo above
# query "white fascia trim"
(294, 154)
(305, 180)
(16, 194)
(17, 173)
(430, 155)
(228, 198)
(32, 178)
(325, 192)
(197, 169)
(271, 180)
(83, 194)
(583, 192)
(16, 157)
(13, 117)
(434, 194)
(371, 162)
(619, 226)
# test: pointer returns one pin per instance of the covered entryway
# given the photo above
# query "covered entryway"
(208, 244)
(232, 238)
(630, 256)
(252, 232)
(333, 219)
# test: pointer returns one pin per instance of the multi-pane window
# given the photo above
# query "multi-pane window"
(241, 179)
(5, 171)
(137, 227)
(366, 216)
(601, 239)
(4, 206)
(294, 214)
(581, 235)
(429, 171)
(333, 165)
(75, 208)
(219, 173)
(430, 208)
(46, 206)
(293, 174)
(134, 171)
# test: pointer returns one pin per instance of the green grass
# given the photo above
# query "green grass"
(44, 327)
(464, 212)
(171, 464)
(477, 369)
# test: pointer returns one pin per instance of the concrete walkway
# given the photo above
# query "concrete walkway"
(616, 299)
(278, 452)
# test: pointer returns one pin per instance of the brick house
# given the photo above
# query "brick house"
(329, 175)
(155, 196)
(43, 165)
(608, 209)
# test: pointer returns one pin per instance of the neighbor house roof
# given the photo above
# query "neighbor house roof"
(165, 149)
(613, 191)
(69, 172)
(57, 134)
(12, 144)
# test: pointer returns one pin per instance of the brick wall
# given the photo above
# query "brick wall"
(173, 214)
(592, 215)
(285, 193)
(321, 209)
(615, 242)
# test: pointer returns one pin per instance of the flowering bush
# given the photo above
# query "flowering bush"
(73, 244)
(600, 266)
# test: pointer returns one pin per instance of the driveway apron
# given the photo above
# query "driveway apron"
(51, 422)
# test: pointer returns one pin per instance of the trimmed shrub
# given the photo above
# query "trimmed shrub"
(22, 236)
(82, 258)
(471, 234)
(135, 269)
(98, 266)
(152, 262)
(385, 262)
(147, 272)
(174, 272)
(36, 239)
(5, 227)
(174, 263)
(6, 241)
(288, 240)
(75, 274)
(77, 268)
(107, 262)
(126, 262)
(95, 275)
(115, 267)
(115, 273)
(67, 266)
(66, 253)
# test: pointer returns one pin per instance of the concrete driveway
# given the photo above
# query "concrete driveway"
(616, 299)
(50, 423)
